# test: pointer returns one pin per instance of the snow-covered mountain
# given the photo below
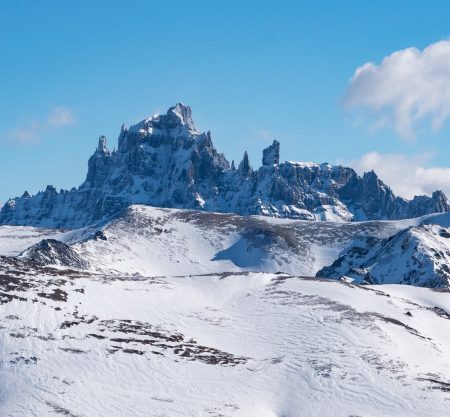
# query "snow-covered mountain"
(53, 252)
(162, 312)
(150, 241)
(415, 256)
(181, 306)
(153, 241)
(234, 345)
(165, 161)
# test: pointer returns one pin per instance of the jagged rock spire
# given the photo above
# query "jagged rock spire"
(122, 138)
(440, 201)
(271, 155)
(102, 147)
(245, 169)
(180, 113)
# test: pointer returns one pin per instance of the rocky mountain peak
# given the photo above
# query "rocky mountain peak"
(271, 155)
(165, 161)
(441, 200)
(181, 113)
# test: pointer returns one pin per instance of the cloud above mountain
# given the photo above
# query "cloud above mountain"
(61, 116)
(32, 131)
(408, 91)
(406, 175)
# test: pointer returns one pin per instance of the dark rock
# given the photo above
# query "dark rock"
(99, 235)
(53, 252)
(271, 155)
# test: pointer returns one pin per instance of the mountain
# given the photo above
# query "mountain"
(165, 161)
(416, 256)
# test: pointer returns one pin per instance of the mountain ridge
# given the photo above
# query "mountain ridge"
(164, 161)
(147, 241)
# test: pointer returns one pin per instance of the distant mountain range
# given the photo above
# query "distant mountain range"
(164, 161)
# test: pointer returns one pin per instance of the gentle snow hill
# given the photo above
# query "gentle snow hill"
(234, 345)
(164, 161)
(151, 241)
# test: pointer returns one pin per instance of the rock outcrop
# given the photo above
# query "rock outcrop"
(53, 252)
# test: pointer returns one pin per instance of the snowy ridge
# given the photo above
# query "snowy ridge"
(150, 241)
(16, 239)
(415, 256)
(165, 161)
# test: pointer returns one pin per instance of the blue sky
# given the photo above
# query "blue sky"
(251, 71)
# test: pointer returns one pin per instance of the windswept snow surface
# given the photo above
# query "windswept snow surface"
(248, 344)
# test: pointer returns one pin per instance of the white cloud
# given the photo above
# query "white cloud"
(25, 134)
(263, 135)
(61, 116)
(406, 175)
(408, 90)
(30, 132)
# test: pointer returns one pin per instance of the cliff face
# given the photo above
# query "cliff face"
(165, 161)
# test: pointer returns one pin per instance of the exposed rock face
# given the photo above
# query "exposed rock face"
(271, 155)
(245, 169)
(53, 252)
(415, 256)
(165, 161)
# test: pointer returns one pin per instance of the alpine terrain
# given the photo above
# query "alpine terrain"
(174, 283)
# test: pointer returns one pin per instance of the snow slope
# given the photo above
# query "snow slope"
(246, 345)
(151, 241)
(415, 256)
